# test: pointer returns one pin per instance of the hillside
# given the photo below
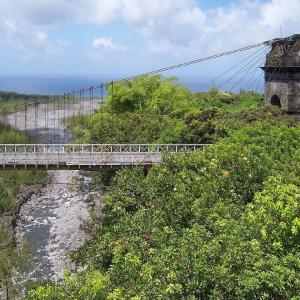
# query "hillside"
(219, 224)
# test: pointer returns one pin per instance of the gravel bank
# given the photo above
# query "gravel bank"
(51, 221)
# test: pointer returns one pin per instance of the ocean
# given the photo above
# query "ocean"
(54, 85)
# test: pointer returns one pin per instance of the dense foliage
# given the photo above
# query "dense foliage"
(216, 224)
(219, 224)
(156, 109)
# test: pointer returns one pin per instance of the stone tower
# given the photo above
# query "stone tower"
(282, 74)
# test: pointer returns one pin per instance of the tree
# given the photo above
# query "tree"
(155, 93)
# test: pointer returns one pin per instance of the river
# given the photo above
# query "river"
(52, 220)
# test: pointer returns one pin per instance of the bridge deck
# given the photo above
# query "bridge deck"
(91, 157)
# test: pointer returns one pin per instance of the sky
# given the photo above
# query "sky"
(124, 37)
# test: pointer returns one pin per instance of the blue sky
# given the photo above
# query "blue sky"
(123, 37)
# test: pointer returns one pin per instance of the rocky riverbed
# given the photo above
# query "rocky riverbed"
(52, 219)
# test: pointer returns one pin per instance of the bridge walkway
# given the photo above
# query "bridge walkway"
(87, 157)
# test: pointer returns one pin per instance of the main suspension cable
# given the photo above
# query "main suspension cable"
(161, 70)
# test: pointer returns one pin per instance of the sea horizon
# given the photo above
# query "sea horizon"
(54, 85)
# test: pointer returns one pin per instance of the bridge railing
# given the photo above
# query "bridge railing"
(97, 148)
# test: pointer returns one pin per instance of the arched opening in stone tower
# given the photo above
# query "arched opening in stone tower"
(275, 100)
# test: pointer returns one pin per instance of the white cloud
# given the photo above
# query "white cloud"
(30, 40)
(106, 44)
(280, 13)
(25, 24)
(99, 12)
(183, 28)
(24, 37)
(104, 48)
(251, 22)
(178, 27)
(37, 12)
(169, 21)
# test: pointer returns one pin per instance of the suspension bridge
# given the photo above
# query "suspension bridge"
(87, 157)
(47, 121)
